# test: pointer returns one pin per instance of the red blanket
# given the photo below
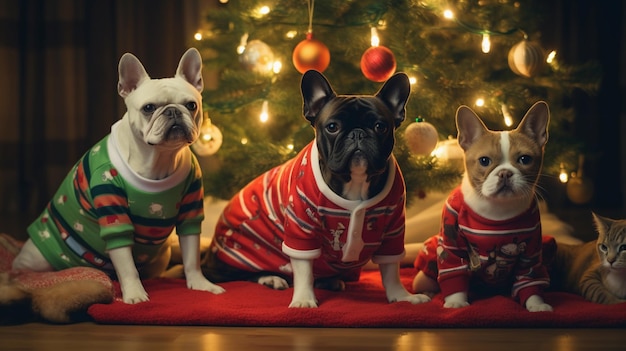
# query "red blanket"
(363, 304)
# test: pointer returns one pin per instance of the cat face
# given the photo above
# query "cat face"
(611, 243)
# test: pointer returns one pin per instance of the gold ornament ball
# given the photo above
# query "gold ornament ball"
(257, 57)
(209, 141)
(311, 54)
(421, 137)
(579, 190)
(526, 58)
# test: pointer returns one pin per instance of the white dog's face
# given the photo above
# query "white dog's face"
(165, 112)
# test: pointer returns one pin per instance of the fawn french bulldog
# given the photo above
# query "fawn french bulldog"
(118, 205)
(490, 235)
(325, 213)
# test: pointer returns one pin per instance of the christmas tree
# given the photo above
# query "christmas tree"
(486, 54)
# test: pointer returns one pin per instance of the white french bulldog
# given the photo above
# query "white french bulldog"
(118, 205)
(490, 239)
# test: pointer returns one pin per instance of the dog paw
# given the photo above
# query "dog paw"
(415, 298)
(204, 285)
(135, 297)
(456, 304)
(303, 304)
(544, 307)
(274, 282)
(133, 292)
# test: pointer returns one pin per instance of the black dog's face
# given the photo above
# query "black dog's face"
(354, 129)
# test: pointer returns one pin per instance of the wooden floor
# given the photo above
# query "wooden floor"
(93, 337)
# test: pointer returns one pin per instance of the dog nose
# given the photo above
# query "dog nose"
(172, 112)
(505, 174)
(357, 134)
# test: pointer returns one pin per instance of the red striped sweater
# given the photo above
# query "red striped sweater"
(291, 212)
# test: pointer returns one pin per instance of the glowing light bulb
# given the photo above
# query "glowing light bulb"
(198, 36)
(264, 116)
(375, 40)
(486, 44)
(243, 42)
(480, 102)
(277, 66)
(291, 34)
(413, 80)
(551, 56)
(508, 120)
(448, 14)
(264, 10)
(563, 177)
(244, 141)
(290, 146)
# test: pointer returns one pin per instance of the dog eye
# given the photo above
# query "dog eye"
(148, 108)
(484, 161)
(380, 128)
(525, 159)
(332, 127)
(191, 106)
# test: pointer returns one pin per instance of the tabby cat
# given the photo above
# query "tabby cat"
(595, 270)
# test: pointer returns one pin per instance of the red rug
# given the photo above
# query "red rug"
(363, 304)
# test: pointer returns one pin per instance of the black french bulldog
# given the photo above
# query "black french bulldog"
(325, 213)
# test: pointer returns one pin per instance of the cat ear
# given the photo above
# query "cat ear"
(469, 126)
(535, 123)
(602, 224)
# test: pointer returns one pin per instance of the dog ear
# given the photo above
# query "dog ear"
(316, 92)
(535, 123)
(131, 74)
(395, 93)
(190, 68)
(469, 126)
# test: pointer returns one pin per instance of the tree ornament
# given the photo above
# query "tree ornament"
(210, 139)
(526, 58)
(450, 151)
(421, 137)
(579, 188)
(311, 54)
(378, 63)
(257, 57)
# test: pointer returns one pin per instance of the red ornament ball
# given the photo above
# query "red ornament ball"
(378, 63)
(311, 54)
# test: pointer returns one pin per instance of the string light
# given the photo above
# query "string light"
(242, 44)
(264, 116)
(480, 102)
(448, 14)
(551, 56)
(413, 80)
(264, 10)
(508, 119)
(563, 177)
(486, 44)
(375, 39)
(277, 66)
(198, 36)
